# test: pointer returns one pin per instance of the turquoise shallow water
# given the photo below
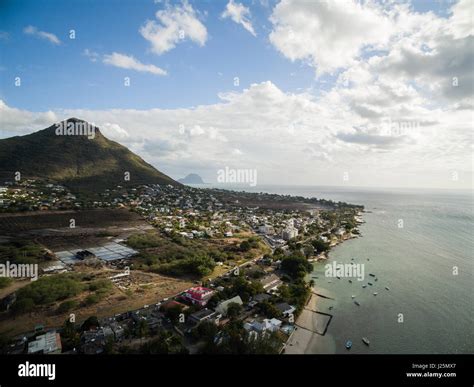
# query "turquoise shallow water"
(415, 262)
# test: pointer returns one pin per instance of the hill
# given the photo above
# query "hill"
(77, 155)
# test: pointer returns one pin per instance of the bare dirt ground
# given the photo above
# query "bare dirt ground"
(45, 222)
(145, 289)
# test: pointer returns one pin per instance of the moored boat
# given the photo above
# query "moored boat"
(348, 344)
(366, 341)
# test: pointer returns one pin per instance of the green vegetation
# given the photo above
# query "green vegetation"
(295, 293)
(234, 309)
(198, 265)
(320, 246)
(60, 287)
(296, 266)
(47, 290)
(269, 310)
(21, 251)
(143, 241)
(89, 165)
(235, 286)
(5, 281)
(66, 306)
(234, 339)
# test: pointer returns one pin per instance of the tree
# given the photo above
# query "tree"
(320, 245)
(23, 305)
(296, 266)
(245, 246)
(91, 323)
(142, 328)
(269, 310)
(233, 310)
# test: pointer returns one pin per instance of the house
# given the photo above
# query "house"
(119, 331)
(285, 308)
(261, 297)
(93, 342)
(202, 315)
(271, 282)
(224, 305)
(198, 295)
(266, 229)
(49, 343)
(289, 233)
(267, 325)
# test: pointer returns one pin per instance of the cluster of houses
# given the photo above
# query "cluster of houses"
(34, 195)
(154, 318)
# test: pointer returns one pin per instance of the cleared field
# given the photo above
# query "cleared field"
(12, 224)
(144, 289)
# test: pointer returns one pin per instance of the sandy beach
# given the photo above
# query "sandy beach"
(311, 326)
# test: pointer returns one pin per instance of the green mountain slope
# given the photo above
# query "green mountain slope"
(83, 164)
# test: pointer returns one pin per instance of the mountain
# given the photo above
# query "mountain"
(77, 155)
(192, 178)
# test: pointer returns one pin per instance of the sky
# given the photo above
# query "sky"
(330, 92)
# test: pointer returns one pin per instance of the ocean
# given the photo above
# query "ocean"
(429, 308)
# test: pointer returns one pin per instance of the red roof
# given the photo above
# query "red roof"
(199, 293)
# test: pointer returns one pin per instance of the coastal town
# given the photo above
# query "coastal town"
(237, 267)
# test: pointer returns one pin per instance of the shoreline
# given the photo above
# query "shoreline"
(302, 340)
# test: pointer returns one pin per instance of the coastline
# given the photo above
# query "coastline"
(312, 323)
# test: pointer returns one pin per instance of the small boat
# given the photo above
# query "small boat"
(368, 259)
(352, 259)
(348, 344)
(376, 279)
(353, 296)
(364, 286)
(372, 275)
(350, 281)
(387, 288)
(329, 282)
(369, 283)
(357, 303)
(375, 293)
(366, 341)
(315, 277)
(338, 277)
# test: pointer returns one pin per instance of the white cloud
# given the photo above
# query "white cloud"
(31, 30)
(239, 14)
(175, 24)
(393, 117)
(292, 136)
(93, 56)
(129, 62)
(327, 34)
(114, 131)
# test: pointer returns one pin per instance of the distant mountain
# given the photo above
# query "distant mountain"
(192, 178)
(77, 155)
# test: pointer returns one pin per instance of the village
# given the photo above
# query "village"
(253, 299)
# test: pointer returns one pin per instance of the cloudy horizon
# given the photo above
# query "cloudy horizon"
(383, 100)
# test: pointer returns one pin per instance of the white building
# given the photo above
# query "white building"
(48, 343)
(289, 233)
